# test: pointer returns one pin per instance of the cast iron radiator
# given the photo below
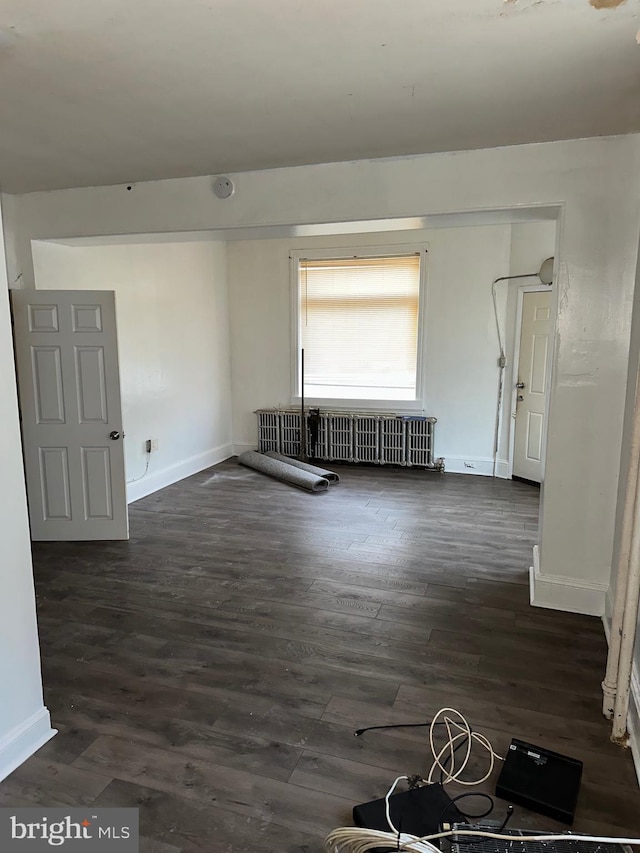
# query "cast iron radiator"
(383, 439)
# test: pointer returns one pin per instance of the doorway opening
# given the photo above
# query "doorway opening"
(162, 326)
(521, 424)
(531, 368)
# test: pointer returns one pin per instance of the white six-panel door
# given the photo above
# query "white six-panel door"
(69, 387)
(533, 366)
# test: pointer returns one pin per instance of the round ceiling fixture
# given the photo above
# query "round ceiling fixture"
(223, 187)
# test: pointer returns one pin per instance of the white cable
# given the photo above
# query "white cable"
(566, 836)
(353, 840)
(494, 296)
(144, 474)
(387, 807)
(451, 773)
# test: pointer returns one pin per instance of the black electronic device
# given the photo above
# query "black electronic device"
(540, 780)
(418, 811)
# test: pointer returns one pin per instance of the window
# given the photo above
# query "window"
(358, 326)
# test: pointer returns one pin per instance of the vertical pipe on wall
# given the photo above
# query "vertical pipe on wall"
(496, 435)
(628, 635)
(622, 576)
(501, 365)
(625, 615)
(303, 430)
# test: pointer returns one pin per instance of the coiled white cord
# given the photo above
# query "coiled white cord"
(351, 840)
(450, 773)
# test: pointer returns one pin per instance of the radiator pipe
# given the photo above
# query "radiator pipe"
(303, 430)
(628, 586)
(627, 640)
(609, 684)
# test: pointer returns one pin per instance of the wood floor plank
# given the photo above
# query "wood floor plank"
(50, 783)
(324, 737)
(191, 827)
(196, 738)
(209, 671)
(70, 741)
(269, 617)
(231, 789)
(237, 631)
(444, 614)
(152, 845)
(349, 779)
(508, 642)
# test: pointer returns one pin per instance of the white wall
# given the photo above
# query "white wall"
(596, 184)
(531, 244)
(460, 349)
(24, 721)
(173, 341)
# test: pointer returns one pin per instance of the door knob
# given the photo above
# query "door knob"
(114, 435)
(519, 384)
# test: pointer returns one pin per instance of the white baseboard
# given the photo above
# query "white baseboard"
(167, 476)
(481, 466)
(557, 592)
(242, 448)
(502, 469)
(453, 464)
(24, 740)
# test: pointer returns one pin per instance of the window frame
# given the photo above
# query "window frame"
(338, 253)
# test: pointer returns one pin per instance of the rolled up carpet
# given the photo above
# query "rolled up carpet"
(331, 476)
(283, 471)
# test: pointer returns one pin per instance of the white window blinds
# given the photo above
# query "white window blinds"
(359, 326)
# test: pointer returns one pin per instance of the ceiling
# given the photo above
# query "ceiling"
(122, 91)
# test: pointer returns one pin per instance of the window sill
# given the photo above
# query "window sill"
(395, 407)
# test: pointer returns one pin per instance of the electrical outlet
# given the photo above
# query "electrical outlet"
(151, 444)
(154, 444)
(469, 465)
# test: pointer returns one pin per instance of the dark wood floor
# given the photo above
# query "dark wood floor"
(212, 669)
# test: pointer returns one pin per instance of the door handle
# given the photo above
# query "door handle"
(519, 384)
(114, 435)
